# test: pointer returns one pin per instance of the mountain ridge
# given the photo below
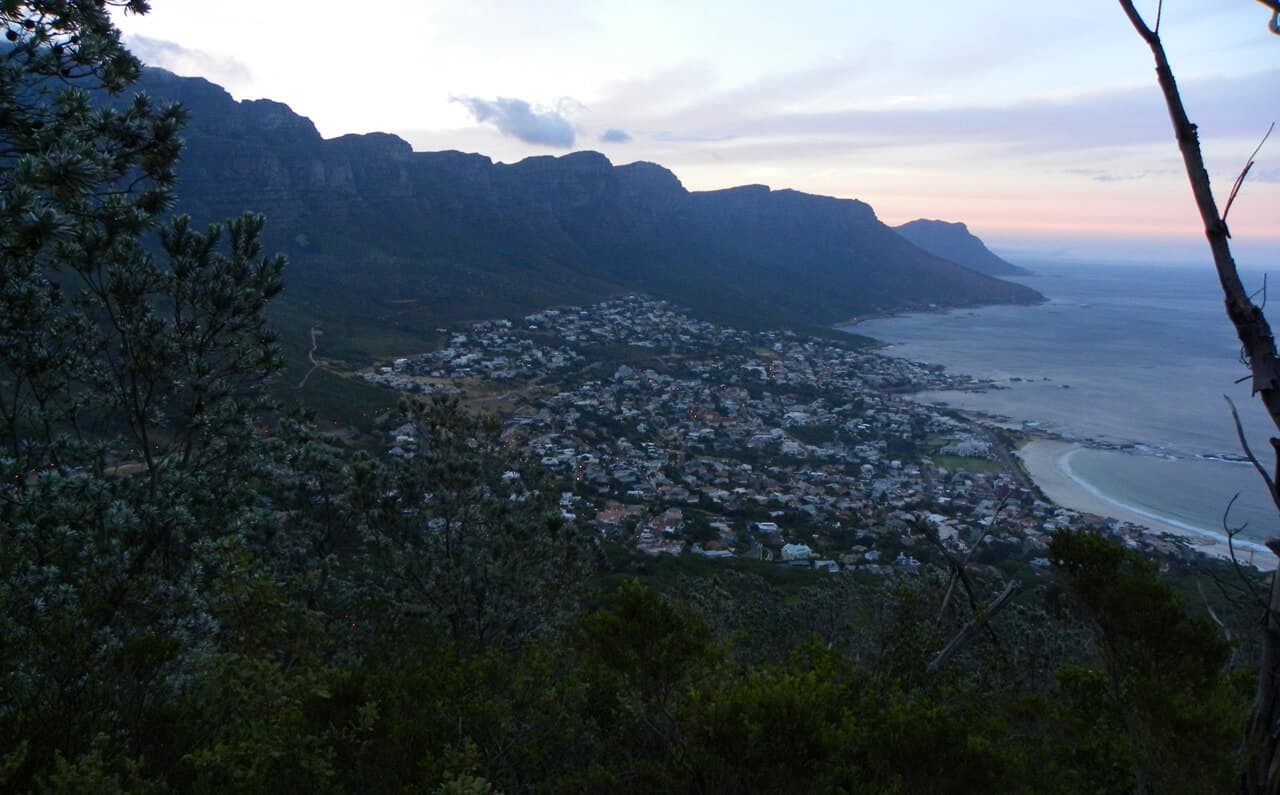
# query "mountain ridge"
(954, 241)
(384, 236)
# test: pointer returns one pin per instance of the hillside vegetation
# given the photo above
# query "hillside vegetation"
(202, 592)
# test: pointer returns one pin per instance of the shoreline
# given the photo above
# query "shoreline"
(1047, 461)
(937, 309)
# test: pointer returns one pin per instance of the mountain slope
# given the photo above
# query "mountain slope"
(387, 240)
(955, 242)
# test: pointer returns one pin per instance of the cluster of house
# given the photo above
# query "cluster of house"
(487, 351)
(678, 435)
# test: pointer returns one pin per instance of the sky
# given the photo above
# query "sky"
(1040, 125)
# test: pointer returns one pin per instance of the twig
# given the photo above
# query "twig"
(1261, 291)
(1244, 443)
(1244, 172)
(1226, 632)
(972, 625)
(958, 574)
(958, 567)
(1231, 549)
(1231, 531)
(1231, 592)
(1159, 13)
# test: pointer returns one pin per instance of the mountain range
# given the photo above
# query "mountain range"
(384, 241)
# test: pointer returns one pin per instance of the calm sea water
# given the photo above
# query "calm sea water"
(1138, 357)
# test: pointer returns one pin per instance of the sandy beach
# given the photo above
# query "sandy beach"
(1045, 460)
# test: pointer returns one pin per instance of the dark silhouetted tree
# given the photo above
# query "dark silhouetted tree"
(132, 355)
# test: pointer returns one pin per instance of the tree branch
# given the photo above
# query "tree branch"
(1244, 172)
(978, 621)
(1261, 744)
(1232, 532)
(1253, 459)
(1251, 326)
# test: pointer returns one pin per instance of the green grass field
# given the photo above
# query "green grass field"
(954, 462)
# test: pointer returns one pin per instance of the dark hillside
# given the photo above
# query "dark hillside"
(383, 239)
(955, 242)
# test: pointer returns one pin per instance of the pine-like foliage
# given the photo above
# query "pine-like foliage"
(131, 352)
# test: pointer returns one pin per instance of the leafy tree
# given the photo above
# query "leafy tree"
(131, 356)
(469, 537)
(1167, 701)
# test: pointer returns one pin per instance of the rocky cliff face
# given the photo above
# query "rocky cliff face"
(420, 238)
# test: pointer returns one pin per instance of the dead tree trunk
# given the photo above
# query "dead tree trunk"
(1261, 749)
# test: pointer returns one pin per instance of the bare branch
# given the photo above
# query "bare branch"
(1226, 632)
(1244, 172)
(959, 572)
(1251, 326)
(1231, 549)
(1261, 743)
(1262, 291)
(1139, 24)
(979, 620)
(1244, 444)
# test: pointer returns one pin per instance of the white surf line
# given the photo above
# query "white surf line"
(1064, 463)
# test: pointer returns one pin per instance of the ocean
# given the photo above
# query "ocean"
(1137, 358)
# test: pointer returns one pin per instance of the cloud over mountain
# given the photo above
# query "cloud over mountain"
(518, 119)
(186, 61)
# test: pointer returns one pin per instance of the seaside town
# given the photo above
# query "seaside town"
(680, 436)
